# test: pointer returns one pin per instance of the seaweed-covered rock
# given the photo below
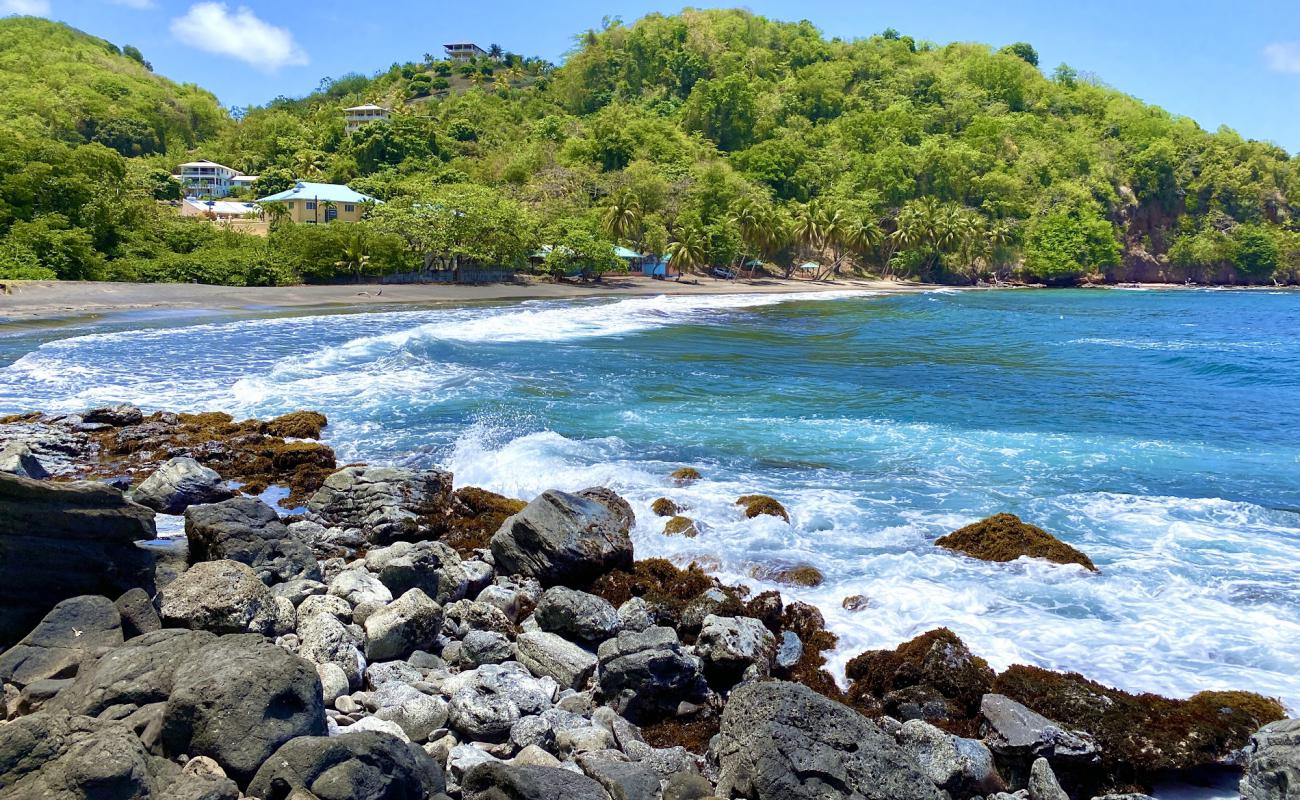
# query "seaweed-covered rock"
(938, 661)
(805, 575)
(1139, 734)
(72, 633)
(360, 766)
(663, 507)
(1273, 762)
(386, 502)
(761, 505)
(684, 476)
(1004, 537)
(298, 425)
(117, 416)
(666, 589)
(246, 530)
(681, 526)
(783, 741)
(178, 484)
(62, 540)
(475, 515)
(561, 538)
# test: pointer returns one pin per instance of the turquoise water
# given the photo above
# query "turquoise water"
(1155, 430)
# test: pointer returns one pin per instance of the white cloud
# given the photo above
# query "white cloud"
(214, 28)
(34, 8)
(1283, 57)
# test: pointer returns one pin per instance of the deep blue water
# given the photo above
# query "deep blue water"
(1155, 430)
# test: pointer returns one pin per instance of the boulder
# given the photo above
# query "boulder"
(1042, 782)
(62, 540)
(494, 780)
(645, 674)
(72, 633)
(1019, 736)
(361, 766)
(140, 672)
(237, 700)
(359, 587)
(486, 702)
(1273, 762)
(783, 741)
(577, 616)
(431, 567)
(118, 416)
(246, 530)
(415, 712)
(137, 612)
(322, 639)
(622, 779)
(961, 767)
(178, 484)
(731, 645)
(386, 503)
(1004, 537)
(610, 499)
(221, 597)
(547, 654)
(937, 663)
(561, 538)
(485, 647)
(18, 459)
(409, 623)
(515, 598)
(463, 616)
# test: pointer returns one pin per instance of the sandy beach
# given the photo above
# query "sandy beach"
(31, 300)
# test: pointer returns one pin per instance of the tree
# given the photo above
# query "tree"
(132, 52)
(622, 219)
(355, 257)
(688, 251)
(577, 247)
(1023, 51)
(494, 52)
(454, 225)
(1062, 246)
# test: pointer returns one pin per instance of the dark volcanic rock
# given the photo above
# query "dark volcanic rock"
(61, 540)
(644, 675)
(178, 484)
(140, 672)
(497, 781)
(238, 699)
(577, 616)
(138, 614)
(1004, 537)
(561, 538)
(620, 508)
(387, 503)
(783, 741)
(359, 766)
(246, 530)
(117, 416)
(73, 632)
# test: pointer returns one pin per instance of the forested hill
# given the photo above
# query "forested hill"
(718, 136)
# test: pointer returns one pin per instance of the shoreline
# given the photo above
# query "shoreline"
(45, 300)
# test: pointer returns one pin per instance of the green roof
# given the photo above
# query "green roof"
(623, 252)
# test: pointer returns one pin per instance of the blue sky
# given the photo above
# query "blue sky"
(1224, 63)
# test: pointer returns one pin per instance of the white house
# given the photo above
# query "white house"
(210, 179)
(463, 51)
(362, 115)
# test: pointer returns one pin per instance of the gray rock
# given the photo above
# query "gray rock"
(961, 767)
(576, 616)
(610, 499)
(138, 673)
(298, 589)
(561, 538)
(325, 640)
(514, 597)
(1042, 782)
(485, 647)
(237, 700)
(635, 615)
(782, 741)
(333, 682)
(463, 616)
(546, 654)
(247, 530)
(360, 766)
(1273, 762)
(385, 503)
(18, 459)
(583, 739)
(203, 779)
(464, 757)
(62, 540)
(221, 597)
(687, 786)
(138, 614)
(409, 623)
(623, 780)
(72, 633)
(359, 587)
(374, 725)
(644, 675)
(730, 645)
(486, 702)
(416, 713)
(483, 717)
(178, 484)
(498, 781)
(533, 756)
(324, 604)
(534, 731)
(117, 416)
(431, 567)
(1018, 736)
(789, 651)
(379, 675)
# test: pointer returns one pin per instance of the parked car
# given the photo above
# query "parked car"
(723, 273)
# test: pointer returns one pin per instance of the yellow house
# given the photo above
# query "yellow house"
(319, 203)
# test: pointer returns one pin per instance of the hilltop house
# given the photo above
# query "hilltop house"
(463, 51)
(362, 115)
(210, 179)
(318, 203)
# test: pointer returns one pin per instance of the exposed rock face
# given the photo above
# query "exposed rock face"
(561, 538)
(644, 675)
(386, 503)
(1019, 736)
(137, 612)
(361, 766)
(546, 654)
(61, 540)
(1004, 537)
(732, 645)
(1273, 765)
(961, 767)
(221, 597)
(246, 530)
(783, 741)
(18, 459)
(117, 416)
(238, 699)
(72, 633)
(138, 673)
(497, 781)
(432, 567)
(325, 640)
(178, 484)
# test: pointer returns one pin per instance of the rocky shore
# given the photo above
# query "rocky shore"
(401, 638)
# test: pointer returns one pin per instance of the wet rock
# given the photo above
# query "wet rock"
(246, 530)
(577, 616)
(118, 416)
(773, 733)
(550, 655)
(789, 651)
(682, 526)
(610, 499)
(297, 425)
(360, 766)
(62, 540)
(644, 675)
(731, 645)
(760, 505)
(237, 700)
(561, 538)
(178, 484)
(685, 476)
(432, 567)
(855, 603)
(1273, 762)
(140, 672)
(961, 767)
(1017, 734)
(221, 597)
(72, 633)
(409, 623)
(663, 507)
(1004, 537)
(18, 459)
(938, 661)
(498, 781)
(805, 575)
(386, 503)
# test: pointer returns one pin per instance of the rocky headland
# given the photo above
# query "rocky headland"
(396, 637)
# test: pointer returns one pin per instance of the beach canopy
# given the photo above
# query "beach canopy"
(810, 266)
(623, 252)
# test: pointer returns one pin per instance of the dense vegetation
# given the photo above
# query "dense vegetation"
(718, 137)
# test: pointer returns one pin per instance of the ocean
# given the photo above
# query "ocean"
(1154, 430)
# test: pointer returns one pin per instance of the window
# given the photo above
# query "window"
(331, 213)
(311, 205)
(349, 207)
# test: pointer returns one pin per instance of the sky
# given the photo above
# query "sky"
(1220, 63)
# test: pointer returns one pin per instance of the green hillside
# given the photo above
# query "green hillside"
(723, 137)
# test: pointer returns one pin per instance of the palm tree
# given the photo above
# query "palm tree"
(809, 219)
(329, 205)
(622, 218)
(494, 52)
(354, 258)
(277, 213)
(688, 250)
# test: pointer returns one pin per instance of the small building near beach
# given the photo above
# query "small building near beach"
(320, 203)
